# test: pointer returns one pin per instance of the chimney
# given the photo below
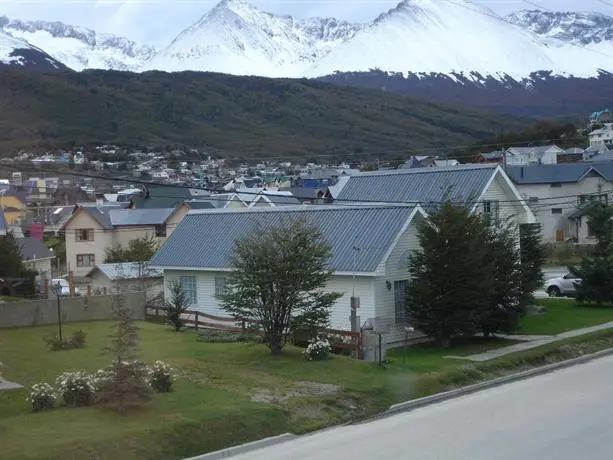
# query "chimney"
(99, 200)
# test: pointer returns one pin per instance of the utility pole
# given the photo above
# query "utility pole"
(58, 294)
(355, 301)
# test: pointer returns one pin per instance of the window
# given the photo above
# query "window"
(556, 211)
(533, 199)
(556, 184)
(491, 208)
(590, 230)
(160, 230)
(84, 234)
(86, 260)
(603, 198)
(188, 284)
(220, 285)
(400, 300)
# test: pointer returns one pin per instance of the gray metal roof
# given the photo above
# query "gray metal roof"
(125, 217)
(563, 172)
(206, 239)
(278, 198)
(33, 249)
(3, 224)
(126, 270)
(418, 185)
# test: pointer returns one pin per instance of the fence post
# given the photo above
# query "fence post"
(46, 288)
(71, 282)
(89, 289)
(196, 319)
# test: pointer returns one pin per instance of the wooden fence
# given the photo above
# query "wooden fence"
(198, 320)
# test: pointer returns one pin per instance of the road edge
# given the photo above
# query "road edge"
(244, 448)
(451, 394)
(412, 404)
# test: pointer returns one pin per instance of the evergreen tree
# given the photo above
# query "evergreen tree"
(452, 283)
(532, 253)
(11, 265)
(176, 305)
(138, 250)
(596, 268)
(126, 384)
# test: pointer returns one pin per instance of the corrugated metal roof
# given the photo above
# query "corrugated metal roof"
(206, 239)
(127, 270)
(419, 185)
(563, 172)
(123, 217)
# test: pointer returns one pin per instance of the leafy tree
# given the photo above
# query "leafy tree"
(277, 281)
(126, 384)
(176, 305)
(451, 284)
(138, 250)
(596, 268)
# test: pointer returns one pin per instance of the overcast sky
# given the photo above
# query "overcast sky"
(159, 21)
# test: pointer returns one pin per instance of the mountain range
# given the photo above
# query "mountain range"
(417, 37)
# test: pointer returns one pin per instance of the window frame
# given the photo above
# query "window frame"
(84, 234)
(491, 208)
(160, 231)
(220, 285)
(189, 285)
(556, 211)
(82, 257)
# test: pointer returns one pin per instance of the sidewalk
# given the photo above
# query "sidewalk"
(6, 385)
(531, 341)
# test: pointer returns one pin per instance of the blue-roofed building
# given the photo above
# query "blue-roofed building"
(199, 251)
(94, 228)
(485, 187)
(556, 192)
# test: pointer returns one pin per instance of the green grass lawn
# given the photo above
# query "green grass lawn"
(226, 393)
(564, 315)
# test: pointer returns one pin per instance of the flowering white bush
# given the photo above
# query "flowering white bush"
(318, 349)
(161, 376)
(76, 388)
(41, 397)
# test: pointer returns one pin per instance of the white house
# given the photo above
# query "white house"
(36, 256)
(128, 277)
(370, 245)
(547, 155)
(602, 136)
(555, 194)
(485, 186)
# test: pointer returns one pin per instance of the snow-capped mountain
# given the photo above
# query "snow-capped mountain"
(570, 27)
(80, 48)
(17, 52)
(417, 37)
(237, 38)
(440, 37)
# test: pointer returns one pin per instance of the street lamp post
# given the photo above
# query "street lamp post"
(58, 293)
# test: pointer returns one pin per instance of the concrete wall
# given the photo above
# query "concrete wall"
(44, 311)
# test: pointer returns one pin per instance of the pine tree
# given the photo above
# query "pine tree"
(452, 283)
(596, 268)
(127, 384)
(532, 253)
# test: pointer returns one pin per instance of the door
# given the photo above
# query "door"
(559, 235)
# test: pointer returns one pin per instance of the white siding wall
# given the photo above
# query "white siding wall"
(339, 318)
(547, 202)
(395, 269)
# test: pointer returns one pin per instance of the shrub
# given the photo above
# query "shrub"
(41, 397)
(337, 340)
(123, 385)
(76, 388)
(318, 349)
(161, 376)
(77, 340)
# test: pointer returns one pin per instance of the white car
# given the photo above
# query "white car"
(562, 286)
(63, 286)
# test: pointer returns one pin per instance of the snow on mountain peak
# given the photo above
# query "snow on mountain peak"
(18, 52)
(78, 47)
(238, 38)
(572, 27)
(438, 36)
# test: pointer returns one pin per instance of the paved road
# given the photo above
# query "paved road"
(567, 415)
